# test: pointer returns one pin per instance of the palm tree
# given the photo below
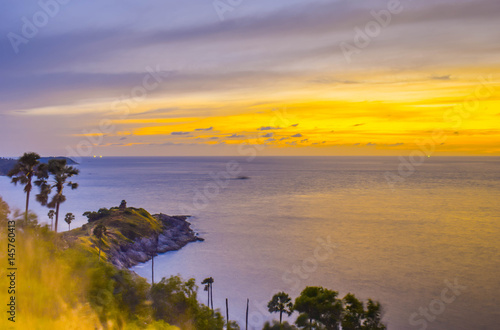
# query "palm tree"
(61, 173)
(51, 217)
(23, 172)
(100, 231)
(208, 287)
(152, 256)
(69, 217)
(281, 302)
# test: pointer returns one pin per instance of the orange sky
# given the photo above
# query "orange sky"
(274, 75)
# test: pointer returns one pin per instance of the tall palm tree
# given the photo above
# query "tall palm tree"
(100, 231)
(282, 303)
(208, 287)
(152, 256)
(51, 215)
(69, 217)
(27, 167)
(60, 173)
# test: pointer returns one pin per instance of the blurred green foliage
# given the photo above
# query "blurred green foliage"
(67, 287)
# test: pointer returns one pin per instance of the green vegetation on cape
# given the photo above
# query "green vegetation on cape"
(132, 235)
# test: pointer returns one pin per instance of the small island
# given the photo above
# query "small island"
(133, 235)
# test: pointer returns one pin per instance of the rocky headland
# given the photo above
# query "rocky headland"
(133, 235)
(175, 234)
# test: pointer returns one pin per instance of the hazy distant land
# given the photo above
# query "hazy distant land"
(6, 164)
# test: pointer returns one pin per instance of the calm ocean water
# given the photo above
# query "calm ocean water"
(333, 222)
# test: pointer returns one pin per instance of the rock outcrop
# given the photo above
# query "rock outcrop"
(175, 234)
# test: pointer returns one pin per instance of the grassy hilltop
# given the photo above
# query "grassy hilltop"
(133, 235)
(123, 228)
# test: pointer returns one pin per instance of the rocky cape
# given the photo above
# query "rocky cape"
(133, 235)
(175, 234)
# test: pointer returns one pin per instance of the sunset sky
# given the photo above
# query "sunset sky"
(203, 77)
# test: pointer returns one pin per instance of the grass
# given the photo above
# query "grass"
(123, 227)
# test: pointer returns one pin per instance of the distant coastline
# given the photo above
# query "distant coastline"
(6, 164)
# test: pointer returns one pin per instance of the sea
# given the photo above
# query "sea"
(421, 236)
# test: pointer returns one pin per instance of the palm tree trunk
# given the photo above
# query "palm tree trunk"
(57, 215)
(212, 297)
(246, 317)
(227, 314)
(27, 205)
(281, 316)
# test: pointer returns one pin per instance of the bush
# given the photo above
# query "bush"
(175, 302)
(94, 216)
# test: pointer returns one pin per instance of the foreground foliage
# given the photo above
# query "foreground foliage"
(67, 287)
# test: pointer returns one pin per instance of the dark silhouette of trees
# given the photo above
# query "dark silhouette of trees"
(356, 317)
(94, 216)
(69, 218)
(281, 303)
(321, 309)
(318, 307)
(208, 287)
(373, 316)
(353, 313)
(99, 232)
(27, 167)
(60, 174)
